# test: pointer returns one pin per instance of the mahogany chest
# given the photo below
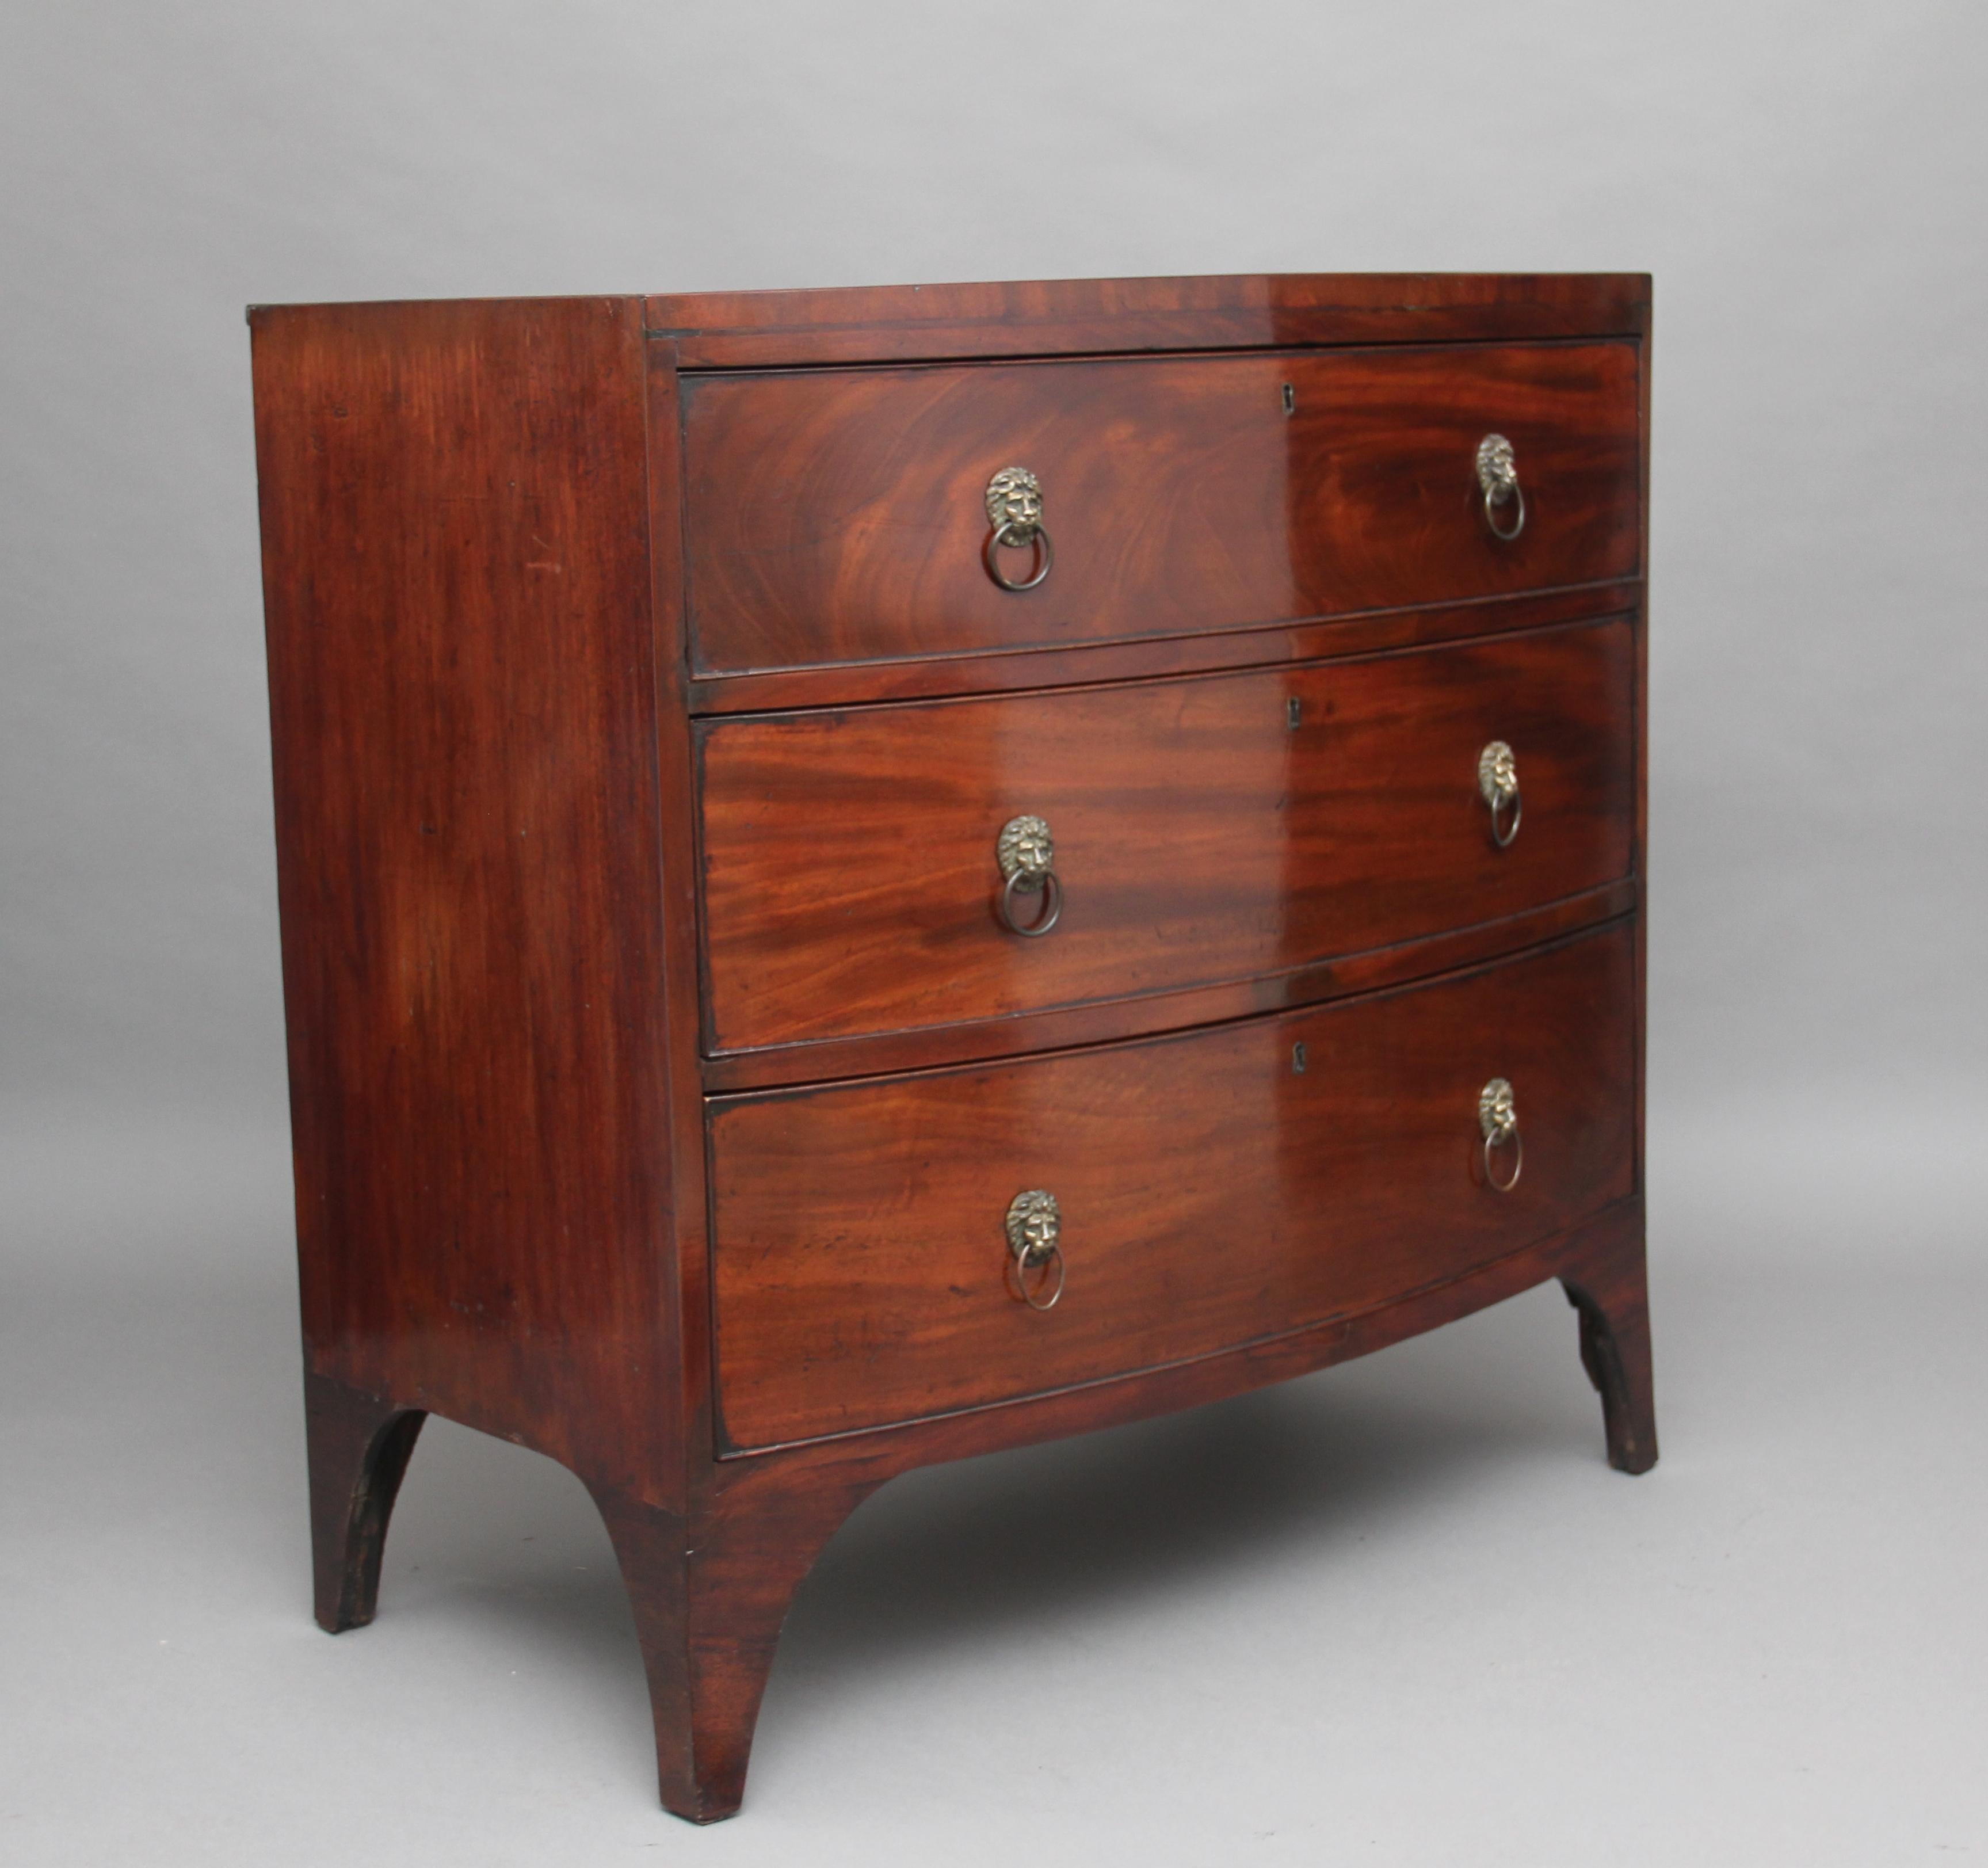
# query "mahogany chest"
(871, 875)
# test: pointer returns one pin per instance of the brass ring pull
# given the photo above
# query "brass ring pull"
(1026, 852)
(1498, 784)
(1035, 1227)
(1015, 511)
(1498, 1117)
(1013, 535)
(1051, 891)
(1498, 475)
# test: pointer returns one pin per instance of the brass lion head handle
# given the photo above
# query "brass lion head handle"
(1035, 1229)
(1026, 852)
(1015, 512)
(1498, 785)
(1497, 475)
(1498, 1117)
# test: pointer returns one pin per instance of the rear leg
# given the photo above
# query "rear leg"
(358, 1450)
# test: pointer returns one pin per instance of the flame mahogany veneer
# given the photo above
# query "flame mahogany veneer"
(661, 1071)
(1182, 496)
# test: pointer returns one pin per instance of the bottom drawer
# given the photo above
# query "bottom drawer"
(1212, 1189)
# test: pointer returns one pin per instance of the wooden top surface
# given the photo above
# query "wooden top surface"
(1090, 316)
(720, 330)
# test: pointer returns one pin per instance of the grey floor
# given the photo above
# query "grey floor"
(1400, 1611)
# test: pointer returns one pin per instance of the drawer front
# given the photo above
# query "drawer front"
(1201, 831)
(838, 515)
(1210, 1193)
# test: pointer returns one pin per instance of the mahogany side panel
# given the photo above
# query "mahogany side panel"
(840, 515)
(1043, 318)
(1215, 1189)
(1211, 828)
(456, 583)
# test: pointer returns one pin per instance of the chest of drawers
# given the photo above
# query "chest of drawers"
(868, 876)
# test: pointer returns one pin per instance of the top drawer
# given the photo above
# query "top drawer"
(841, 515)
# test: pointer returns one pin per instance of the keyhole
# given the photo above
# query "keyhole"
(1290, 400)
(1293, 713)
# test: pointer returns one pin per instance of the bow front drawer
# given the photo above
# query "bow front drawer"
(865, 870)
(1192, 1193)
(840, 515)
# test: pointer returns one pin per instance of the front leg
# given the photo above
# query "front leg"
(710, 1594)
(1606, 1280)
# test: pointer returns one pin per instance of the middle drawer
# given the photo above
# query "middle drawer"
(1202, 830)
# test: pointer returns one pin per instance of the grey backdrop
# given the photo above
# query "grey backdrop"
(1807, 183)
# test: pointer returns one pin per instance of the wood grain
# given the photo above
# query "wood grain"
(1212, 1193)
(456, 593)
(840, 515)
(850, 883)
